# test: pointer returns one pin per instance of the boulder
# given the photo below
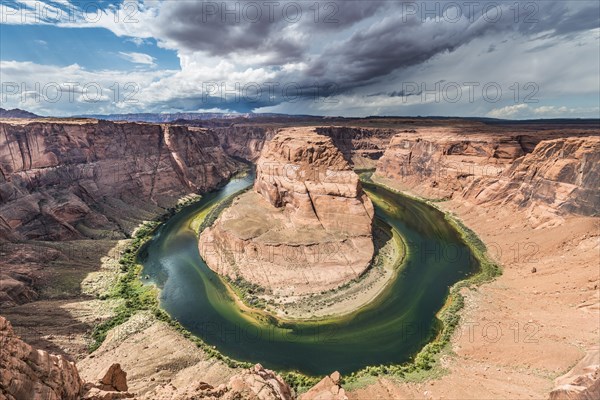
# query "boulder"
(255, 383)
(114, 379)
(328, 388)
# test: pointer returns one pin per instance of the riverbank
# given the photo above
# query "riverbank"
(523, 330)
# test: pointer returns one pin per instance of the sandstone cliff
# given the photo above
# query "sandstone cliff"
(560, 176)
(308, 223)
(360, 146)
(66, 180)
(557, 176)
(245, 141)
(69, 180)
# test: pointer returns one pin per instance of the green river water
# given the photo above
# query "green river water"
(390, 330)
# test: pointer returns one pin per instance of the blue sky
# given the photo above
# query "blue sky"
(357, 58)
(91, 48)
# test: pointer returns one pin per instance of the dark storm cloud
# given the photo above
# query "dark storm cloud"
(224, 28)
(560, 18)
(341, 14)
(255, 27)
(404, 40)
(389, 45)
(354, 44)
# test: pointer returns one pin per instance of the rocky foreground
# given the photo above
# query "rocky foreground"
(33, 374)
(306, 227)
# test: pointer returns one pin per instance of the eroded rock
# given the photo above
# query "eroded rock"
(27, 373)
(114, 379)
(582, 382)
(305, 228)
(65, 180)
(255, 383)
(544, 178)
(328, 388)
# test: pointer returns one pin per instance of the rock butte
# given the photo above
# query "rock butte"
(305, 228)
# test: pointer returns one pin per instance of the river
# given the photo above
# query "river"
(390, 330)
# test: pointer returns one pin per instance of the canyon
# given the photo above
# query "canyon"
(72, 193)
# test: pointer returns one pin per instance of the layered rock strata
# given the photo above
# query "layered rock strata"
(305, 228)
(66, 180)
(558, 176)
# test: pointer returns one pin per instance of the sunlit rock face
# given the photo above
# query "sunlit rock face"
(69, 179)
(28, 373)
(305, 228)
(546, 179)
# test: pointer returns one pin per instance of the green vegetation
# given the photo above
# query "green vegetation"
(248, 292)
(214, 213)
(138, 297)
(298, 381)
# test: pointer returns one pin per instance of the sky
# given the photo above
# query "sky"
(512, 60)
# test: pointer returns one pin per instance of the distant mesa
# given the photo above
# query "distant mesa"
(17, 113)
(185, 117)
(305, 228)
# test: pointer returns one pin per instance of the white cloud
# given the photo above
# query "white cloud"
(508, 112)
(71, 90)
(138, 58)
(137, 41)
(524, 111)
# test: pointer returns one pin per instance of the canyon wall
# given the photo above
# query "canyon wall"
(360, 146)
(68, 180)
(62, 181)
(554, 176)
(244, 141)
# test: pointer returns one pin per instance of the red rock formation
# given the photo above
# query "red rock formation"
(114, 379)
(244, 141)
(360, 146)
(328, 388)
(27, 373)
(307, 174)
(558, 176)
(582, 382)
(308, 224)
(253, 384)
(67, 179)
(70, 180)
